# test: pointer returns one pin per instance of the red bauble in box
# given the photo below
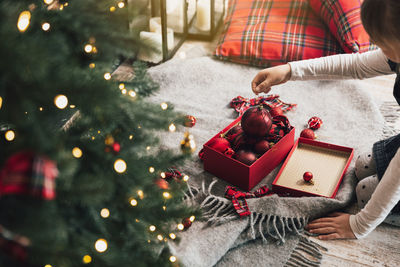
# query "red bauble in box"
(308, 133)
(242, 141)
(307, 176)
(276, 111)
(233, 132)
(261, 147)
(256, 122)
(246, 157)
(222, 145)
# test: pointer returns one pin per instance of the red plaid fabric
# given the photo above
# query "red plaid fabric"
(280, 127)
(272, 32)
(241, 104)
(344, 21)
(239, 198)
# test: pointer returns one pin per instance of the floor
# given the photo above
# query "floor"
(381, 247)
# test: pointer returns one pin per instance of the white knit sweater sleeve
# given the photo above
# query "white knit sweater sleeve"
(384, 198)
(341, 66)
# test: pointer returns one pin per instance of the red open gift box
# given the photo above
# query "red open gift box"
(240, 174)
(327, 163)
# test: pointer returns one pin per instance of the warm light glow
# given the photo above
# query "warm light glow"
(101, 245)
(121, 4)
(24, 20)
(98, 131)
(172, 235)
(164, 208)
(151, 169)
(61, 101)
(133, 202)
(48, 2)
(163, 175)
(131, 137)
(88, 48)
(105, 213)
(172, 259)
(166, 195)
(1, 101)
(123, 91)
(121, 86)
(112, 9)
(72, 106)
(137, 220)
(192, 144)
(92, 65)
(160, 237)
(192, 218)
(77, 152)
(41, 109)
(172, 127)
(10, 135)
(48, 265)
(120, 166)
(164, 106)
(185, 178)
(147, 147)
(132, 93)
(87, 259)
(94, 49)
(107, 76)
(152, 228)
(46, 26)
(93, 137)
(181, 227)
(140, 194)
(66, 4)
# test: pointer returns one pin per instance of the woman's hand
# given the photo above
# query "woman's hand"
(335, 226)
(269, 77)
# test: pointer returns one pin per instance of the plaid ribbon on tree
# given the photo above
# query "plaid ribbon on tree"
(238, 198)
(241, 104)
(30, 174)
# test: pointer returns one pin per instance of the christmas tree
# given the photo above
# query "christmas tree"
(82, 179)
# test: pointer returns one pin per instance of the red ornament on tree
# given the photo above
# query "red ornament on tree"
(246, 157)
(314, 123)
(256, 121)
(190, 121)
(116, 147)
(186, 223)
(161, 183)
(221, 145)
(276, 111)
(308, 133)
(261, 147)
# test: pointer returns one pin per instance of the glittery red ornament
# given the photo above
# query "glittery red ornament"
(276, 111)
(246, 157)
(190, 121)
(314, 123)
(256, 121)
(307, 176)
(161, 183)
(186, 223)
(308, 133)
(221, 145)
(116, 147)
(261, 147)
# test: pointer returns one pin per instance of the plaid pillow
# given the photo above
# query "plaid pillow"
(272, 32)
(344, 21)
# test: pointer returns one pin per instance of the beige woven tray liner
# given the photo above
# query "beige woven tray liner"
(325, 164)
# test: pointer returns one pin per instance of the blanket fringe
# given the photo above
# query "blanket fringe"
(391, 113)
(306, 254)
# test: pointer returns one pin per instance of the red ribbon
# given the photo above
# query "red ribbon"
(238, 198)
(241, 104)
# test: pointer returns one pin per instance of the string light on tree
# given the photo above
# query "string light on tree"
(124, 91)
(48, 265)
(24, 20)
(191, 218)
(185, 178)
(9, 135)
(46, 26)
(121, 4)
(172, 127)
(172, 236)
(48, 2)
(105, 213)
(88, 48)
(112, 9)
(86, 259)
(166, 195)
(140, 194)
(180, 227)
(121, 86)
(92, 65)
(132, 93)
(151, 169)
(100, 245)
(107, 76)
(40, 108)
(61, 101)
(77, 152)
(152, 228)
(72, 106)
(1, 101)
(164, 106)
(131, 137)
(172, 259)
(133, 202)
(120, 166)
(160, 237)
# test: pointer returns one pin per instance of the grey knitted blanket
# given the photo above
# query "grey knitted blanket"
(272, 235)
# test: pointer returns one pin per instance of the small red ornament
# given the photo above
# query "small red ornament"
(314, 123)
(246, 157)
(307, 176)
(276, 111)
(261, 147)
(256, 121)
(186, 223)
(308, 133)
(221, 145)
(190, 121)
(116, 147)
(161, 183)
(234, 130)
